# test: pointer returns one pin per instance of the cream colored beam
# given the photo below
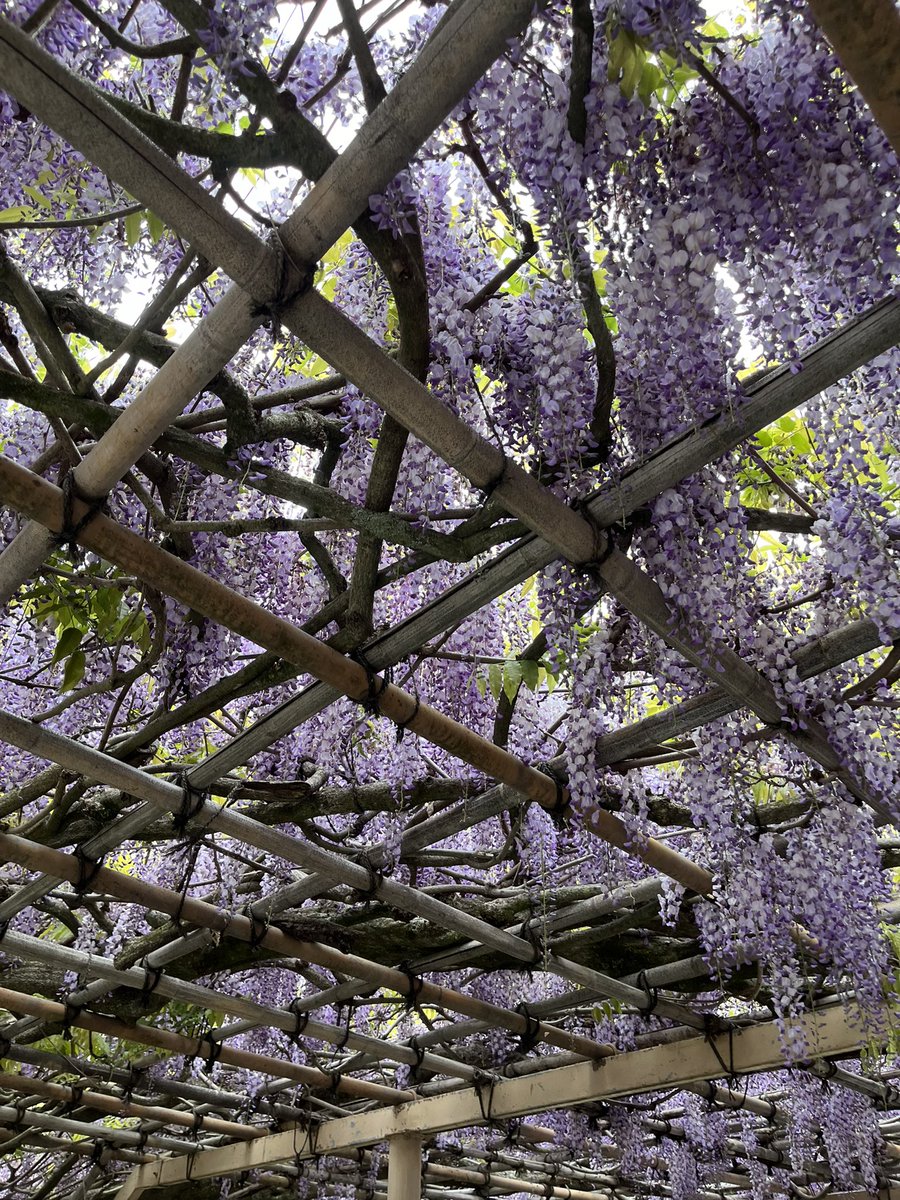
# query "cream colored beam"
(829, 1033)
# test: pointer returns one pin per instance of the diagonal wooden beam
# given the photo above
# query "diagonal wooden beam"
(209, 816)
(778, 392)
(41, 501)
(132, 890)
(866, 38)
(819, 655)
(205, 1046)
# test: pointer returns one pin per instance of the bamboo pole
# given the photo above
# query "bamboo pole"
(43, 950)
(817, 656)
(58, 96)
(328, 864)
(505, 1183)
(43, 502)
(198, 912)
(351, 351)
(115, 1106)
(10, 1115)
(205, 1047)
(211, 344)
(128, 1081)
(169, 574)
(84, 1149)
(780, 391)
(409, 402)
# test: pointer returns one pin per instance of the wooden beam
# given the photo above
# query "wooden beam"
(132, 890)
(507, 1183)
(828, 1033)
(866, 38)
(405, 1167)
(767, 399)
(122, 1107)
(205, 1046)
(43, 502)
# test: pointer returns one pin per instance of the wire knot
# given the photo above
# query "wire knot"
(192, 802)
(68, 534)
(294, 280)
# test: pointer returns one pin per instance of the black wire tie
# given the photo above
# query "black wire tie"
(192, 802)
(68, 534)
(88, 869)
(403, 725)
(652, 994)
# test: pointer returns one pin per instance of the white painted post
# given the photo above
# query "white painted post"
(405, 1167)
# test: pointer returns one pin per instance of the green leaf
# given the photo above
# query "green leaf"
(134, 224)
(632, 70)
(800, 441)
(712, 29)
(651, 79)
(512, 677)
(68, 642)
(495, 678)
(38, 197)
(531, 674)
(74, 672)
(156, 226)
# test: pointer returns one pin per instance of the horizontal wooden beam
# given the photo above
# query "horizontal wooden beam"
(832, 1032)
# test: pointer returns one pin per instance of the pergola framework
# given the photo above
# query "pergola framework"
(275, 278)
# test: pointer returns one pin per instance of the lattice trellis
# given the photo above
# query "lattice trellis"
(181, 1139)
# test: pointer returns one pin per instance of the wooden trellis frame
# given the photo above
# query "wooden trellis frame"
(463, 46)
